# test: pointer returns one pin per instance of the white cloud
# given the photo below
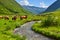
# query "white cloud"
(42, 4)
(25, 2)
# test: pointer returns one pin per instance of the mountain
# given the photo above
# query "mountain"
(54, 6)
(34, 9)
(11, 7)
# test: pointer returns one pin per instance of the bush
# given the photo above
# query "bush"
(50, 21)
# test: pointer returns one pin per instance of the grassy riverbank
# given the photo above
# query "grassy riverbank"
(7, 27)
(50, 26)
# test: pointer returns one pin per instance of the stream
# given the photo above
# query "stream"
(25, 29)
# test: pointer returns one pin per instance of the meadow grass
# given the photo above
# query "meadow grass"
(49, 26)
(7, 27)
(49, 31)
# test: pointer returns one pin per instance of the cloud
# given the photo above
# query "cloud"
(42, 4)
(25, 2)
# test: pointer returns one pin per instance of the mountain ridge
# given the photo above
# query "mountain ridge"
(33, 9)
(54, 6)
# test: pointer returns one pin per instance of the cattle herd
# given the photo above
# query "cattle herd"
(14, 17)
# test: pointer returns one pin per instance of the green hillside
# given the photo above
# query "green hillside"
(11, 7)
(54, 13)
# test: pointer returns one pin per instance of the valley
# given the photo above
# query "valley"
(21, 23)
(34, 10)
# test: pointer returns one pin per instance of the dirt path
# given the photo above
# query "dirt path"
(31, 35)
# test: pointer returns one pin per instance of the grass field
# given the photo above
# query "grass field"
(7, 27)
(52, 31)
(49, 26)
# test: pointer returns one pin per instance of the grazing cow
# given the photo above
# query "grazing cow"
(6, 17)
(1, 17)
(14, 18)
(23, 17)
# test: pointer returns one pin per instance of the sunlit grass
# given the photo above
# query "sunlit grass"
(49, 26)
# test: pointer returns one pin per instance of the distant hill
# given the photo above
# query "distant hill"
(33, 9)
(11, 7)
(56, 13)
(54, 6)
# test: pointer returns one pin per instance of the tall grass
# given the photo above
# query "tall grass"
(50, 21)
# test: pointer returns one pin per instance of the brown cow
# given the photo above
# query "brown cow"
(14, 18)
(1, 17)
(6, 17)
(23, 17)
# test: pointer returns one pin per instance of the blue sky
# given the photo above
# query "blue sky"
(37, 3)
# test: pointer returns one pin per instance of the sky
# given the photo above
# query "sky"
(37, 3)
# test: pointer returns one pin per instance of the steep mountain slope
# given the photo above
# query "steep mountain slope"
(54, 6)
(56, 13)
(35, 10)
(11, 7)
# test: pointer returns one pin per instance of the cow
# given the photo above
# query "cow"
(23, 17)
(6, 17)
(14, 18)
(1, 17)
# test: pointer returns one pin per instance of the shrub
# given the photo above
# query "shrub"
(50, 21)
